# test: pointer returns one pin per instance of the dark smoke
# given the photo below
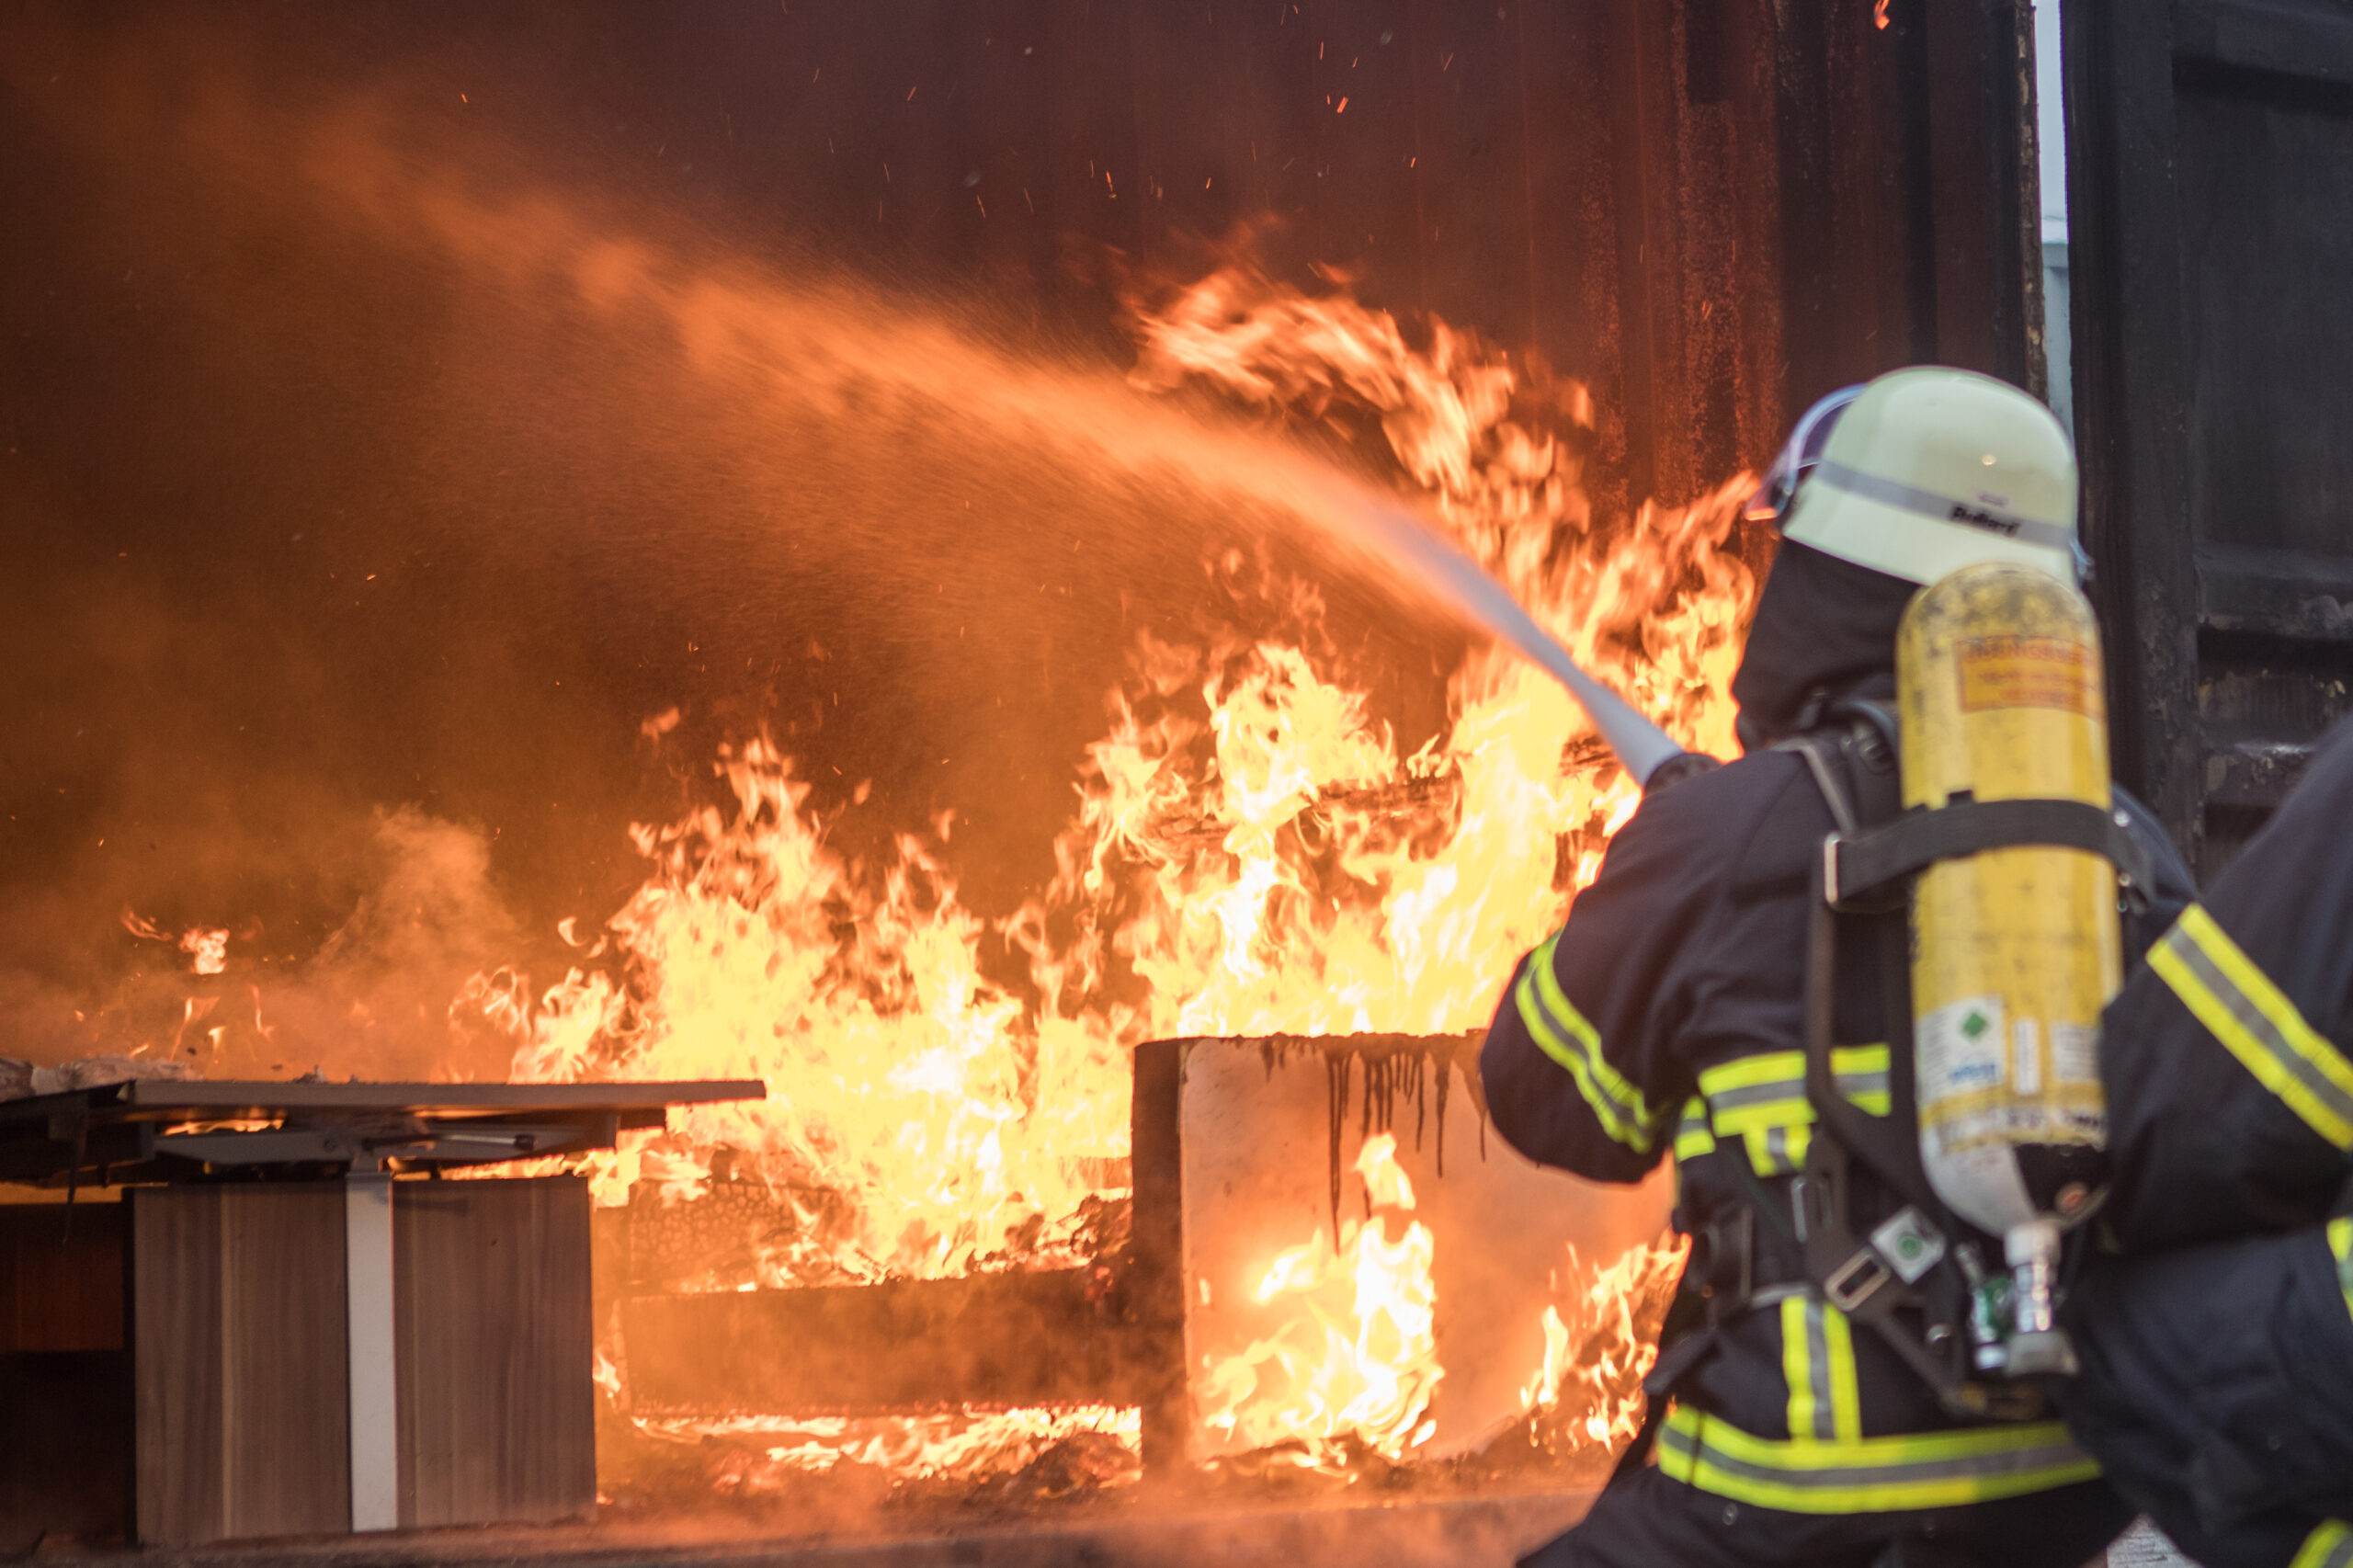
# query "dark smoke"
(360, 505)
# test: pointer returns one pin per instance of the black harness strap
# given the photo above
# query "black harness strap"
(1856, 864)
(1854, 766)
(1862, 876)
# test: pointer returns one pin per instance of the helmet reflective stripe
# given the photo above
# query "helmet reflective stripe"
(1929, 470)
(1944, 509)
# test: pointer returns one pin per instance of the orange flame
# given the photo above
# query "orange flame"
(966, 1443)
(207, 949)
(1588, 1392)
(902, 1085)
(1251, 855)
(207, 946)
(1356, 1355)
(1251, 852)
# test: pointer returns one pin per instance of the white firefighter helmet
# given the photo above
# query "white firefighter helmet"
(1926, 471)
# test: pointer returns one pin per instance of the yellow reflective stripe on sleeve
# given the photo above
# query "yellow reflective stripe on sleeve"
(1745, 1111)
(1563, 1034)
(1846, 1386)
(2340, 1241)
(1778, 1150)
(2331, 1546)
(2256, 1023)
(1862, 1475)
(1761, 1099)
(1860, 1070)
(1768, 1088)
(1776, 1069)
(1693, 1136)
(1818, 1363)
(1861, 1073)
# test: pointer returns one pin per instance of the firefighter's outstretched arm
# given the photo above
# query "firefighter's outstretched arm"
(1576, 1066)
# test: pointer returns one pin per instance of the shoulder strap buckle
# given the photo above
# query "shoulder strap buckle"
(1853, 1283)
(1834, 887)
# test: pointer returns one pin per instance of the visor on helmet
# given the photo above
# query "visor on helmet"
(1797, 456)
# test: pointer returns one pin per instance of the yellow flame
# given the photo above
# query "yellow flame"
(1356, 1355)
(901, 1084)
(1587, 1394)
(966, 1443)
(1251, 855)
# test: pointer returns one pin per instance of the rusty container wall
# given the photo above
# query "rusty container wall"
(1710, 211)
(2210, 218)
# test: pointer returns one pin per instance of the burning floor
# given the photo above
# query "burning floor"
(851, 1531)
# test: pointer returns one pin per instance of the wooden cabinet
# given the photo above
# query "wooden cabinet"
(181, 1364)
(496, 1412)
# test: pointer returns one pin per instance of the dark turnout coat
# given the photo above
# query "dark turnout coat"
(2218, 1341)
(1668, 1016)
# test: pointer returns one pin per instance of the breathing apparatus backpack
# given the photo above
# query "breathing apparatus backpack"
(1978, 859)
(1990, 829)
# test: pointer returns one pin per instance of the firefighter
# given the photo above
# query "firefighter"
(1671, 1013)
(2217, 1382)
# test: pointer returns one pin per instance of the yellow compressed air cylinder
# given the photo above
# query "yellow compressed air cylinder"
(2015, 950)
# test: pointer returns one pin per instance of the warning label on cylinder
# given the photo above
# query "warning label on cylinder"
(1983, 1079)
(2027, 672)
(1963, 1045)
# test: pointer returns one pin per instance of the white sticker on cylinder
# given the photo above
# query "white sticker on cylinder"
(1961, 1045)
(2075, 1053)
(2026, 1067)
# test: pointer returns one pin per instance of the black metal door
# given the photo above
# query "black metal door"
(2210, 195)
